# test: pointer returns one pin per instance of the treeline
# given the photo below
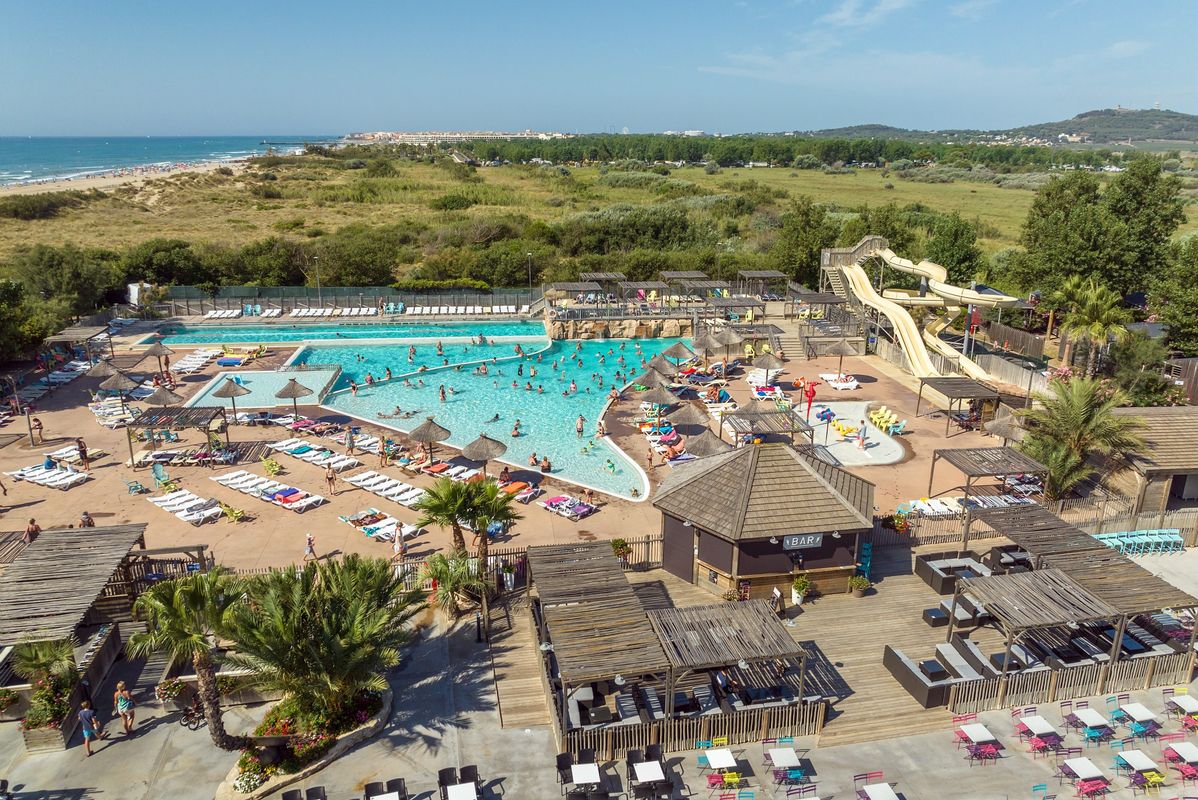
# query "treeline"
(778, 150)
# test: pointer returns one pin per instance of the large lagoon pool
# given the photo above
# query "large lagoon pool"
(283, 331)
(547, 416)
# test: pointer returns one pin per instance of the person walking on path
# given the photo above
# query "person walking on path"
(122, 701)
(330, 479)
(310, 547)
(861, 435)
(90, 725)
(399, 548)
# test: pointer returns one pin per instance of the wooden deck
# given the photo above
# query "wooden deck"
(515, 661)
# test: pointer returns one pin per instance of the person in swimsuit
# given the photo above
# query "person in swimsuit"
(122, 702)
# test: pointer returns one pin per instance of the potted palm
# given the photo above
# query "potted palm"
(509, 576)
(798, 589)
(621, 548)
(858, 585)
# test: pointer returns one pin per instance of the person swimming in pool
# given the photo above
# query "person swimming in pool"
(610, 466)
(494, 418)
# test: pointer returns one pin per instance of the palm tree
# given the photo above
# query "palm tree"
(324, 633)
(184, 616)
(1097, 317)
(488, 504)
(452, 576)
(446, 504)
(1068, 428)
(55, 659)
(1066, 298)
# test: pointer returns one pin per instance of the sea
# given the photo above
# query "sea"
(32, 159)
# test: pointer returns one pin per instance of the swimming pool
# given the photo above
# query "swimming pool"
(547, 417)
(257, 333)
(263, 385)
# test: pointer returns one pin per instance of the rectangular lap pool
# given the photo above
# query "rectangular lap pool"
(258, 333)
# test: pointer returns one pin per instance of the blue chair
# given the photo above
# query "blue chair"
(160, 474)
(257, 310)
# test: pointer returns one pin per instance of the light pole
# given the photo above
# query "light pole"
(530, 270)
(1031, 374)
(319, 296)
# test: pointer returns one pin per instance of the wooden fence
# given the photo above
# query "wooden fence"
(675, 735)
(1014, 340)
(1184, 521)
(1052, 685)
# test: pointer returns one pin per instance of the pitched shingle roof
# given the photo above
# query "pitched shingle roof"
(1170, 435)
(766, 490)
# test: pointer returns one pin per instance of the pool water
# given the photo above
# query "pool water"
(292, 332)
(547, 418)
(262, 386)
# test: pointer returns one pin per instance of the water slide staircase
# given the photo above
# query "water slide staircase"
(845, 273)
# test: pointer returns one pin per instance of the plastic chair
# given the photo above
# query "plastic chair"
(398, 786)
(375, 788)
(469, 774)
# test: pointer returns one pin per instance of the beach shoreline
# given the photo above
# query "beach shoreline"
(126, 176)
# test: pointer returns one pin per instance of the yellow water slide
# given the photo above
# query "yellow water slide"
(904, 327)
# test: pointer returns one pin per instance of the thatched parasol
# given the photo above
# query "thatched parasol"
(163, 396)
(651, 378)
(230, 390)
(1007, 429)
(768, 361)
(158, 350)
(658, 395)
(690, 414)
(293, 391)
(663, 366)
(102, 369)
(726, 337)
(706, 444)
(484, 449)
(679, 351)
(120, 383)
(842, 349)
(429, 432)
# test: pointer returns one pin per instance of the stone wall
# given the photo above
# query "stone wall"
(621, 329)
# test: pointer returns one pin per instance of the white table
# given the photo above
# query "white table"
(461, 791)
(784, 757)
(721, 759)
(1091, 718)
(1137, 760)
(648, 771)
(1083, 768)
(1187, 751)
(978, 733)
(879, 791)
(1038, 725)
(390, 796)
(1185, 703)
(1138, 711)
(585, 774)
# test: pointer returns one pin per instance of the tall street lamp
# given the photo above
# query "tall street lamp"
(530, 270)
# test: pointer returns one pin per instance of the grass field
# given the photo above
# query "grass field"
(317, 199)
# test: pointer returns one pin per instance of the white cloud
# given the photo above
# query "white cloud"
(1126, 48)
(972, 10)
(859, 14)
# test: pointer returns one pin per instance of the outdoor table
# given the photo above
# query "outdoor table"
(879, 791)
(585, 774)
(978, 733)
(1137, 760)
(1083, 769)
(1185, 703)
(1091, 718)
(1038, 726)
(388, 796)
(1138, 711)
(1186, 751)
(461, 791)
(721, 759)
(648, 771)
(784, 757)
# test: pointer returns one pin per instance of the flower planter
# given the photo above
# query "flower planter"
(43, 740)
(509, 581)
(858, 593)
(796, 599)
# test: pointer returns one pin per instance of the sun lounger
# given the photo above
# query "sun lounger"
(463, 477)
(361, 477)
(453, 472)
(206, 512)
(528, 495)
(230, 477)
(412, 498)
(398, 492)
(303, 504)
(436, 469)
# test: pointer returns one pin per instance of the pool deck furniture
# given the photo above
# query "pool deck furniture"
(1138, 712)
(1137, 760)
(878, 791)
(1185, 703)
(1186, 751)
(784, 757)
(648, 771)
(584, 774)
(978, 733)
(1038, 726)
(1083, 769)
(721, 758)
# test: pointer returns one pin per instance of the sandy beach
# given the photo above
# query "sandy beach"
(134, 177)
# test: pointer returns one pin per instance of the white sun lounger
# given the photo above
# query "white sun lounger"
(396, 491)
(201, 516)
(358, 479)
(230, 477)
(300, 506)
(412, 498)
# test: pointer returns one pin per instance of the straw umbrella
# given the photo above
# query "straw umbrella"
(1006, 429)
(659, 395)
(651, 378)
(102, 369)
(429, 432)
(702, 343)
(120, 383)
(678, 351)
(663, 366)
(768, 361)
(164, 397)
(293, 391)
(726, 337)
(842, 349)
(230, 390)
(158, 350)
(706, 444)
(484, 449)
(689, 414)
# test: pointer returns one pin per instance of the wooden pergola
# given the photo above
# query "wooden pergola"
(51, 585)
(603, 277)
(575, 287)
(632, 287)
(1026, 601)
(1033, 528)
(676, 275)
(958, 391)
(760, 416)
(80, 334)
(759, 280)
(724, 635)
(694, 285)
(980, 462)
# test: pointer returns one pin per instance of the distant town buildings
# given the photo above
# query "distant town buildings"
(439, 137)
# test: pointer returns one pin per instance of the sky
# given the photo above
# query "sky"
(171, 67)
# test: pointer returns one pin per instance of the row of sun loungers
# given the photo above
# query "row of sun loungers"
(426, 311)
(379, 526)
(270, 491)
(319, 456)
(569, 507)
(388, 488)
(229, 314)
(189, 507)
(334, 312)
(112, 413)
(64, 374)
(195, 361)
(56, 478)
